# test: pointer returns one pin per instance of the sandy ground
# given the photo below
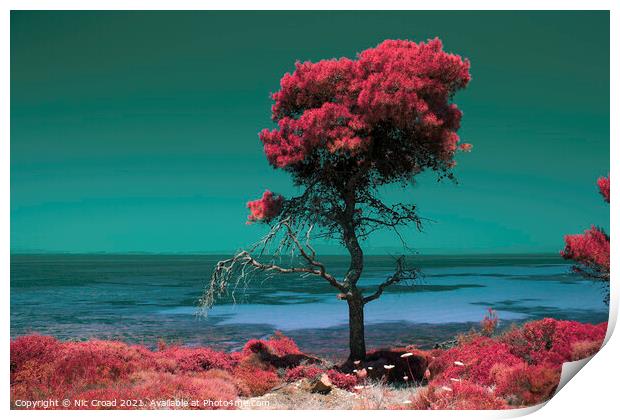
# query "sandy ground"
(295, 396)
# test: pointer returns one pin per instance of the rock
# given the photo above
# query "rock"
(321, 385)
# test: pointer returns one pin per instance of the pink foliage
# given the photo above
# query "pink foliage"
(301, 372)
(265, 208)
(98, 362)
(338, 379)
(254, 381)
(342, 380)
(466, 147)
(522, 365)
(33, 348)
(526, 385)
(42, 367)
(584, 349)
(603, 186)
(150, 388)
(458, 396)
(278, 344)
(551, 341)
(590, 249)
(188, 359)
(519, 368)
(472, 361)
(335, 108)
(489, 323)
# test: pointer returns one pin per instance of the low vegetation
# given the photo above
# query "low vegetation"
(517, 368)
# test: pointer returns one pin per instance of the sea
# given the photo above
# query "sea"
(149, 299)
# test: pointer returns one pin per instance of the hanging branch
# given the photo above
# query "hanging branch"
(241, 267)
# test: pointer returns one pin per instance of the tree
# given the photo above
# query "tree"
(590, 250)
(345, 128)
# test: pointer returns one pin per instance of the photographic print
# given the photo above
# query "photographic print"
(295, 210)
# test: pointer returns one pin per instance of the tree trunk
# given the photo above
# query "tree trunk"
(357, 343)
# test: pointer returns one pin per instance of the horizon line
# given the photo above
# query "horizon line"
(204, 253)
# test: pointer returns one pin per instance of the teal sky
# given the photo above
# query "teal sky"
(137, 131)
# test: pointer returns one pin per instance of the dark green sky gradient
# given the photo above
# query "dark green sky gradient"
(138, 131)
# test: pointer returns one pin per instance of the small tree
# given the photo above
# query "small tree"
(345, 128)
(590, 250)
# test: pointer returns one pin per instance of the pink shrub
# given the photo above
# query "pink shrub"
(603, 186)
(458, 396)
(338, 379)
(33, 381)
(278, 345)
(568, 333)
(525, 384)
(342, 380)
(584, 349)
(43, 367)
(550, 340)
(161, 386)
(255, 382)
(301, 372)
(590, 249)
(472, 361)
(62, 369)
(35, 347)
(186, 359)
(96, 361)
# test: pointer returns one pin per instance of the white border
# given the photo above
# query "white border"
(592, 395)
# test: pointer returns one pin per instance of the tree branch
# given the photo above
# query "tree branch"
(240, 267)
(402, 273)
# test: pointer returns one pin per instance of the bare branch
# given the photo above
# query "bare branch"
(241, 267)
(402, 273)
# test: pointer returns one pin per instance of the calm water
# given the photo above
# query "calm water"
(143, 298)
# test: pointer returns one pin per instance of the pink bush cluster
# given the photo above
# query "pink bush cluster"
(279, 345)
(552, 341)
(147, 386)
(458, 396)
(395, 97)
(472, 361)
(518, 368)
(185, 359)
(342, 380)
(303, 372)
(43, 367)
(590, 250)
(521, 367)
(253, 381)
(338, 379)
(524, 384)
(265, 208)
(603, 186)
